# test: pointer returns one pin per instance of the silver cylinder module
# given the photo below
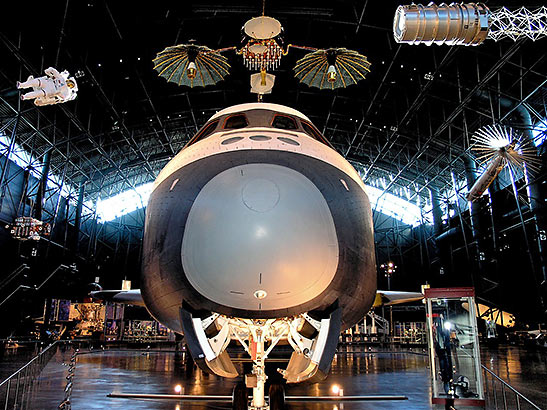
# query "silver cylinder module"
(454, 24)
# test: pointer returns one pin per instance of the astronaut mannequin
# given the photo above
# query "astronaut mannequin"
(53, 88)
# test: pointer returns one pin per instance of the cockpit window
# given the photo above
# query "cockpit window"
(284, 122)
(312, 132)
(208, 130)
(204, 133)
(236, 121)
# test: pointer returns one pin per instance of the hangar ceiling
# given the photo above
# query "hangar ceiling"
(407, 125)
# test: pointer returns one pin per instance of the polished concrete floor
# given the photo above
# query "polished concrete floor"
(358, 372)
(100, 373)
(524, 369)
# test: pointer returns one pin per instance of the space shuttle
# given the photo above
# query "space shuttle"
(259, 232)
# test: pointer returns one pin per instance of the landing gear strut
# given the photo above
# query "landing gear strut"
(259, 368)
(310, 360)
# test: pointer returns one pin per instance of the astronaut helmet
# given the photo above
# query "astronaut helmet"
(71, 83)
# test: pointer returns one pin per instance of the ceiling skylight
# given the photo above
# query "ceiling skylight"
(124, 202)
(128, 201)
(540, 132)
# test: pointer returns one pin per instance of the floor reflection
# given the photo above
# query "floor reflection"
(356, 372)
(524, 369)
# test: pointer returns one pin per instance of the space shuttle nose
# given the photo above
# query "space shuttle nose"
(260, 237)
(260, 194)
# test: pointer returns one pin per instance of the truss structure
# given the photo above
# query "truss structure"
(517, 24)
(407, 130)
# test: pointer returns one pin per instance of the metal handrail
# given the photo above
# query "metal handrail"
(508, 386)
(13, 275)
(19, 386)
(35, 358)
(35, 287)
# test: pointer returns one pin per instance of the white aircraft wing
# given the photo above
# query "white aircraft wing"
(134, 297)
(392, 297)
(128, 297)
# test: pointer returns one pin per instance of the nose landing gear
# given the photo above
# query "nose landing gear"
(311, 359)
(276, 398)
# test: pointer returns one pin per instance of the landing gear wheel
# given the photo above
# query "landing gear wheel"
(188, 363)
(239, 397)
(277, 397)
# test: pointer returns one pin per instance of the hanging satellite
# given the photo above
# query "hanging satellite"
(467, 24)
(25, 228)
(500, 146)
(191, 65)
(262, 50)
(332, 68)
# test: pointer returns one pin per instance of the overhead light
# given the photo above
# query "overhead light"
(260, 294)
(191, 70)
(331, 74)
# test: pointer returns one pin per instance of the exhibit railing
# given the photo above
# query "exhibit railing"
(65, 403)
(15, 391)
(501, 395)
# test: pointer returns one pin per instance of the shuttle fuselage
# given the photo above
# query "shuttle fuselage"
(258, 217)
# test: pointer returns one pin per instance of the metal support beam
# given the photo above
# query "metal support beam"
(42, 186)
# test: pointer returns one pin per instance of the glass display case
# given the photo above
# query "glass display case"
(453, 343)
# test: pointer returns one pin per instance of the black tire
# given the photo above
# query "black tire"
(239, 397)
(277, 397)
(189, 364)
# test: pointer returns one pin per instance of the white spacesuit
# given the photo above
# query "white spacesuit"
(53, 88)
